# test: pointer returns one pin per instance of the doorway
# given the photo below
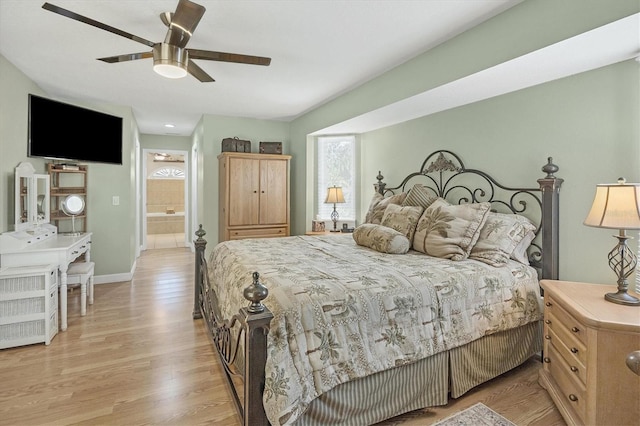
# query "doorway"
(165, 199)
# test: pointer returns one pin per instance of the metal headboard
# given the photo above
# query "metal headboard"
(444, 173)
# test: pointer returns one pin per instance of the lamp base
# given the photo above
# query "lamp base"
(622, 298)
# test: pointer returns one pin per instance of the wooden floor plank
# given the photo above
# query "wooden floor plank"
(138, 358)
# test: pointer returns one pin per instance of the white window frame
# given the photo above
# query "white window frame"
(345, 176)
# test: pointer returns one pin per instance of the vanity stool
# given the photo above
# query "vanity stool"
(82, 273)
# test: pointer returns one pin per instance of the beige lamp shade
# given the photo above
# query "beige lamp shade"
(615, 206)
(335, 195)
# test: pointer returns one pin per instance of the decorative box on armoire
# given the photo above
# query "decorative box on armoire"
(253, 195)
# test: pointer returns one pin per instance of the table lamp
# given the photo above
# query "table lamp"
(617, 206)
(334, 195)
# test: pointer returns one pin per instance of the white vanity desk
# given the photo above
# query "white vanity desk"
(41, 246)
(34, 240)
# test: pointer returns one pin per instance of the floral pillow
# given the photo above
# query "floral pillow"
(449, 231)
(379, 204)
(402, 219)
(381, 238)
(499, 237)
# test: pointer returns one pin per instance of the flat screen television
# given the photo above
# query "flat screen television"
(62, 131)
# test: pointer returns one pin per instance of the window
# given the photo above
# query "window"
(336, 165)
(168, 173)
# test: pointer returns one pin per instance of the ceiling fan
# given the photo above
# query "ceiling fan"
(171, 58)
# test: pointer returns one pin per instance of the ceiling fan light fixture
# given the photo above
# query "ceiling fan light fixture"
(170, 61)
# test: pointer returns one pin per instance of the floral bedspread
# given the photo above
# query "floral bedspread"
(342, 311)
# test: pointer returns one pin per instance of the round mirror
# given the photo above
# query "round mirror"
(73, 205)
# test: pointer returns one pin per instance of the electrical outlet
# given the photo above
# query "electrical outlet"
(115, 200)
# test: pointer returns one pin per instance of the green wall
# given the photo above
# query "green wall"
(587, 122)
(113, 227)
(213, 130)
(14, 117)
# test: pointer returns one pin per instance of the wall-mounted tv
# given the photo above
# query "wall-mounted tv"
(62, 131)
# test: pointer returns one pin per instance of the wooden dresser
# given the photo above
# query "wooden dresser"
(587, 340)
(253, 195)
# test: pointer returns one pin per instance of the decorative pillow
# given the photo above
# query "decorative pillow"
(377, 197)
(499, 236)
(449, 231)
(379, 204)
(419, 195)
(520, 252)
(402, 219)
(381, 238)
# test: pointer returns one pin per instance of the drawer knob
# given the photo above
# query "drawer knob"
(547, 321)
(547, 337)
(573, 398)
(574, 368)
(575, 329)
(547, 359)
(574, 350)
(548, 304)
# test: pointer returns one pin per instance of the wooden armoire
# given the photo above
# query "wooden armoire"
(253, 195)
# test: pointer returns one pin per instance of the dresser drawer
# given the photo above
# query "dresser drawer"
(564, 319)
(561, 333)
(576, 368)
(570, 389)
(238, 234)
(75, 252)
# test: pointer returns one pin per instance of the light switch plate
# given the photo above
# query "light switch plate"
(115, 200)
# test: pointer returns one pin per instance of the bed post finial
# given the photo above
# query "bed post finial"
(550, 168)
(256, 293)
(380, 185)
(200, 232)
(200, 245)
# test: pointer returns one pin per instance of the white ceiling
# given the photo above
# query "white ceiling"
(319, 49)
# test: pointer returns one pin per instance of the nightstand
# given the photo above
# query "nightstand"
(586, 342)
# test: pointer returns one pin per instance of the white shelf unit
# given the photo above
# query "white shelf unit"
(28, 305)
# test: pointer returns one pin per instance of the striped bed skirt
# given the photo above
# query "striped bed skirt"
(426, 383)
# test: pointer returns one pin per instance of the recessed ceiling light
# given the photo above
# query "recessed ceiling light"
(169, 125)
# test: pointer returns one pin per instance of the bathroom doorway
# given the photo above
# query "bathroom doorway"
(165, 199)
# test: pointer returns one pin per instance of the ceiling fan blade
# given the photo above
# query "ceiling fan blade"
(69, 14)
(228, 57)
(198, 72)
(126, 57)
(183, 22)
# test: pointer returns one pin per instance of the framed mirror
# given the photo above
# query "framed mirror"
(31, 198)
(42, 206)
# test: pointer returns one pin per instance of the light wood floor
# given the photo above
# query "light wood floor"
(138, 357)
(165, 241)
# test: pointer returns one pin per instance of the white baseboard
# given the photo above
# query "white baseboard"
(115, 278)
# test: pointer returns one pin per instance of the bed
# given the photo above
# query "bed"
(430, 297)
